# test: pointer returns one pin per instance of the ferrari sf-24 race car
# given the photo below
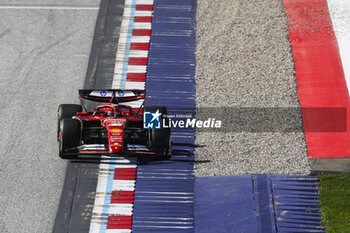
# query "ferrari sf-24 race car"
(111, 128)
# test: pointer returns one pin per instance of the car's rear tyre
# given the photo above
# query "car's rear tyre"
(66, 111)
(160, 139)
(69, 136)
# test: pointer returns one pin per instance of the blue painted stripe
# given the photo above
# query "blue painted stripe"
(127, 46)
(164, 191)
(257, 203)
(263, 199)
(225, 204)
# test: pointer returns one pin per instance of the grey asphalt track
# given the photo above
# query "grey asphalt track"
(44, 56)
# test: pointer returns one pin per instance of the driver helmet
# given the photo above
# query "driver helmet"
(110, 113)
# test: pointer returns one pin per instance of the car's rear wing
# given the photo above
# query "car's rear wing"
(112, 95)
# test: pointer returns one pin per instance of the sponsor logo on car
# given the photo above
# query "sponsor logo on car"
(113, 122)
(115, 130)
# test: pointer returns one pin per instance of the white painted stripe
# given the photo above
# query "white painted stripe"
(94, 226)
(142, 26)
(340, 15)
(137, 69)
(143, 13)
(127, 8)
(118, 231)
(140, 39)
(114, 209)
(99, 199)
(99, 203)
(123, 185)
(121, 50)
(120, 209)
(134, 85)
(147, 2)
(138, 53)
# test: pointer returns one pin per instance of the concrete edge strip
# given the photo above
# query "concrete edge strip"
(62, 220)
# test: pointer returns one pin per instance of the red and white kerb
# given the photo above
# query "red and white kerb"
(114, 197)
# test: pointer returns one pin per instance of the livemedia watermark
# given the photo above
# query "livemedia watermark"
(251, 120)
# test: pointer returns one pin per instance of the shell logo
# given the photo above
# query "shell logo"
(115, 130)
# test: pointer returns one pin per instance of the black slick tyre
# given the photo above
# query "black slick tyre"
(69, 134)
(66, 111)
(160, 139)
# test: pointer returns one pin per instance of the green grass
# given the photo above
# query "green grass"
(335, 202)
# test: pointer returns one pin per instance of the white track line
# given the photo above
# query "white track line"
(340, 15)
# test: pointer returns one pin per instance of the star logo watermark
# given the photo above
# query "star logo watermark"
(152, 120)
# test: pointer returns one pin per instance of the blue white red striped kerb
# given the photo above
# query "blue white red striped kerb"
(132, 54)
(114, 198)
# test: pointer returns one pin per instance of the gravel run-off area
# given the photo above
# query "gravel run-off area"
(244, 59)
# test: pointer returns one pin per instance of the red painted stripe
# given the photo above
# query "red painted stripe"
(143, 19)
(320, 76)
(119, 222)
(136, 77)
(124, 177)
(122, 197)
(125, 174)
(142, 61)
(144, 7)
(139, 46)
(141, 32)
(123, 193)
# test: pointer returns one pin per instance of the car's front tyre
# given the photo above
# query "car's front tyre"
(66, 111)
(69, 135)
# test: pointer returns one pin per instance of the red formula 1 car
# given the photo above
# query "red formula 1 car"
(111, 128)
